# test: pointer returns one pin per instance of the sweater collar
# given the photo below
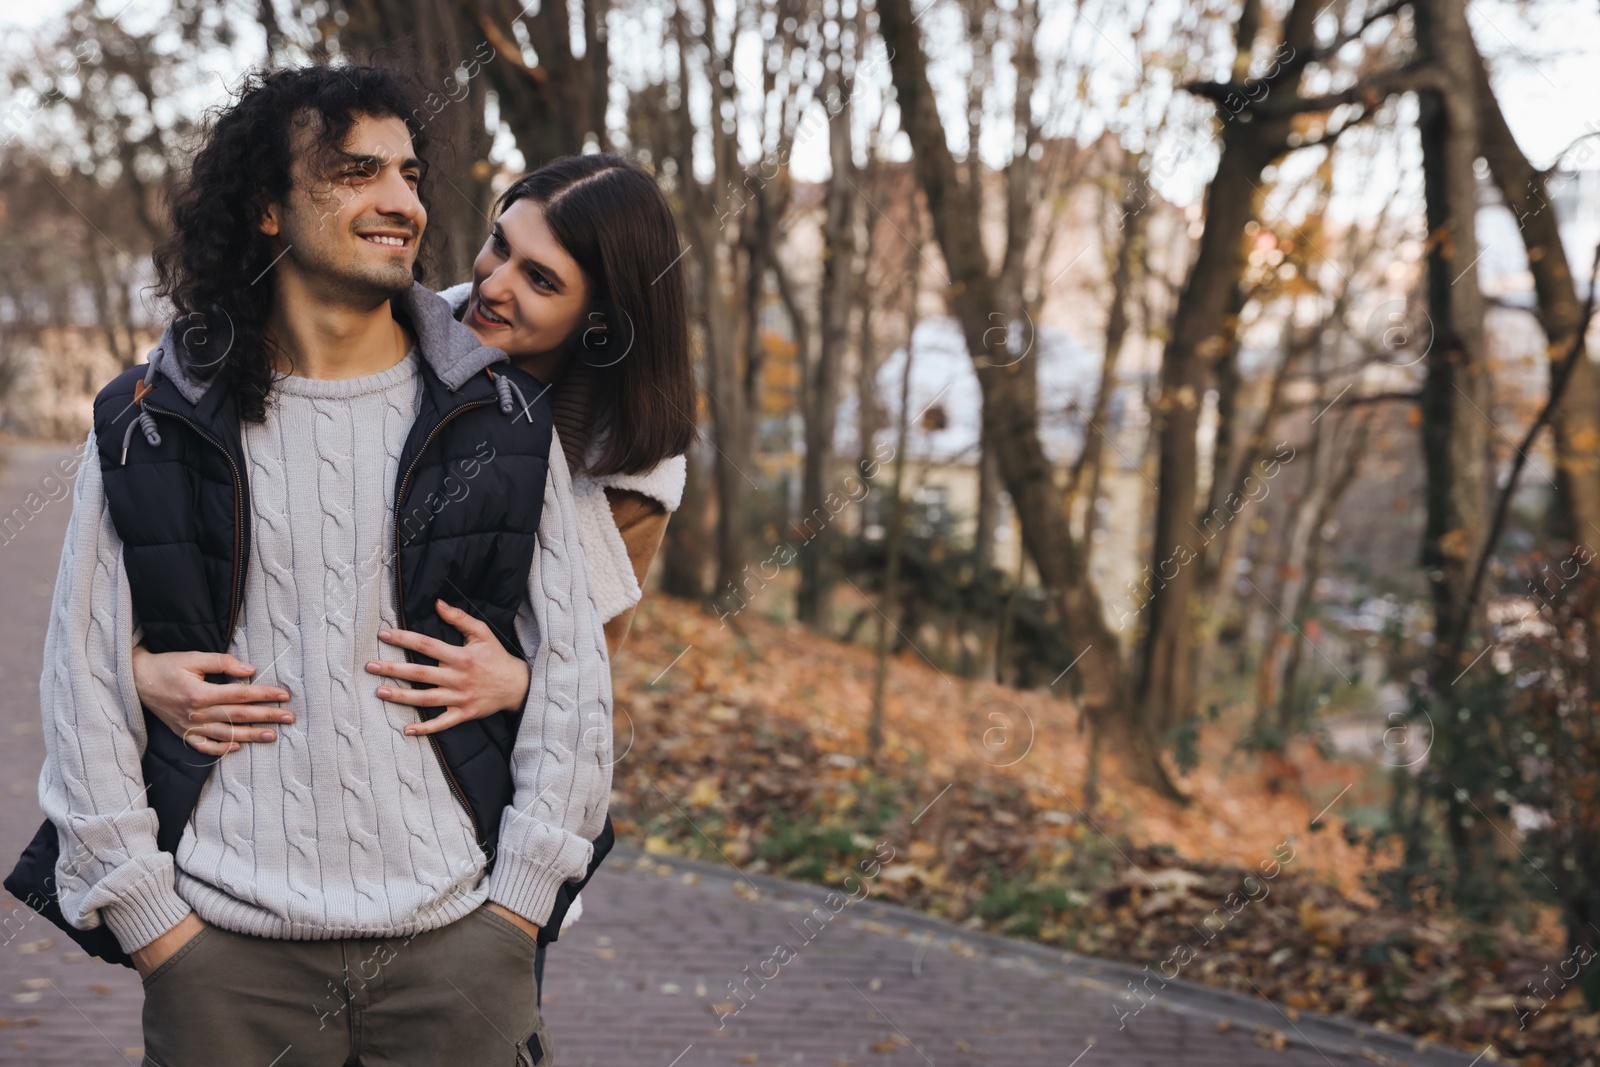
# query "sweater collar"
(451, 350)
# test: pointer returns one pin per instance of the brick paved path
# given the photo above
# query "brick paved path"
(641, 980)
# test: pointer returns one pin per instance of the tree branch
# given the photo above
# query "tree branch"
(1369, 92)
(1332, 47)
(1558, 384)
(505, 46)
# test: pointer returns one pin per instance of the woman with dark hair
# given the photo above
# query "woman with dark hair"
(275, 447)
(578, 282)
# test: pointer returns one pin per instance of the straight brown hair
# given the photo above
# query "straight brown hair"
(611, 217)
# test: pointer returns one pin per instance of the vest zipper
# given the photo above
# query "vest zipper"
(400, 599)
(238, 519)
(400, 603)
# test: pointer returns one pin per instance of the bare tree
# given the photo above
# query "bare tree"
(833, 320)
(1010, 395)
(1455, 390)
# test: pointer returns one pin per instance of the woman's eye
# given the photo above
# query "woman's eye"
(498, 240)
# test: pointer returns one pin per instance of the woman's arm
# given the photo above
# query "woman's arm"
(212, 718)
(471, 680)
(481, 677)
(642, 522)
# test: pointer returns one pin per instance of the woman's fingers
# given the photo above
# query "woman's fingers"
(418, 698)
(475, 629)
(200, 738)
(222, 663)
(214, 694)
(411, 672)
(242, 713)
(415, 642)
(204, 744)
(450, 718)
(227, 732)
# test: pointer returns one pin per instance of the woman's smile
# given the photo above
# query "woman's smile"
(486, 318)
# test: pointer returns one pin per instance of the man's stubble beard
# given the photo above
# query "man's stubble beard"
(340, 278)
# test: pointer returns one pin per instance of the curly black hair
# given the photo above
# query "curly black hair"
(213, 269)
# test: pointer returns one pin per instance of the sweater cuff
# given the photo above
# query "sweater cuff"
(145, 909)
(527, 884)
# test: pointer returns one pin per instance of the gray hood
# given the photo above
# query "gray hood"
(452, 350)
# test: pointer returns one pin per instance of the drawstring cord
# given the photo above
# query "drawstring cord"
(504, 387)
(143, 419)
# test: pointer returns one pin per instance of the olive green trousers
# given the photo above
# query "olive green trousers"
(462, 994)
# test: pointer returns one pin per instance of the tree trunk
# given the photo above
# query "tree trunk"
(822, 395)
(706, 231)
(1130, 226)
(894, 534)
(725, 392)
(1218, 573)
(988, 516)
(1331, 462)
(1166, 693)
(683, 563)
(1346, 461)
(554, 107)
(1455, 392)
(869, 412)
(1010, 403)
(1576, 419)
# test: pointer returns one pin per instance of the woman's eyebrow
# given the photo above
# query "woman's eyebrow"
(554, 278)
(551, 274)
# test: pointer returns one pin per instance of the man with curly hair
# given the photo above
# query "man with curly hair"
(317, 453)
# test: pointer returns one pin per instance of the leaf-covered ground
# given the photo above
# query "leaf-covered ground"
(748, 745)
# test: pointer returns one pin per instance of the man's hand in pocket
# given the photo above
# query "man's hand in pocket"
(157, 952)
(529, 928)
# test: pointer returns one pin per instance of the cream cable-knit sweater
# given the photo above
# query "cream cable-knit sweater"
(344, 826)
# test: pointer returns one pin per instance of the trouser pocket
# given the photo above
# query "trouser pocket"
(183, 952)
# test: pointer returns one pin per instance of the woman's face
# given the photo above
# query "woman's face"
(528, 294)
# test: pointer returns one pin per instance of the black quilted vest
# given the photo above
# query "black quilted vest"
(469, 494)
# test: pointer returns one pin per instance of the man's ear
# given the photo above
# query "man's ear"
(270, 222)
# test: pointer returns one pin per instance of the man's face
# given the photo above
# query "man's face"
(352, 220)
